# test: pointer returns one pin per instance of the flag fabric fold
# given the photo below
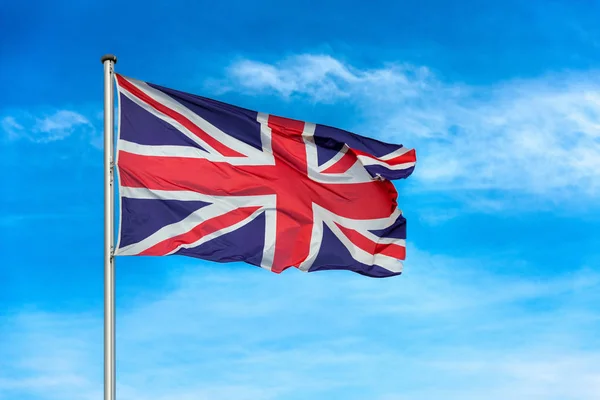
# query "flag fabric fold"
(206, 179)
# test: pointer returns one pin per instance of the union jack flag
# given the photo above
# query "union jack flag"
(206, 179)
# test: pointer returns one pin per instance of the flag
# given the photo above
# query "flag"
(206, 179)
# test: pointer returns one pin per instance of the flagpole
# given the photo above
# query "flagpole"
(109, 61)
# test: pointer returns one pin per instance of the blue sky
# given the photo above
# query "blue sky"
(500, 293)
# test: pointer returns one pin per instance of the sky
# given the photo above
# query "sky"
(501, 285)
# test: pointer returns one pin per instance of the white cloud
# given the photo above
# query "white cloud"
(239, 332)
(324, 78)
(11, 127)
(60, 125)
(534, 137)
(47, 127)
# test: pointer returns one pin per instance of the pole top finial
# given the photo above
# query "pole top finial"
(109, 57)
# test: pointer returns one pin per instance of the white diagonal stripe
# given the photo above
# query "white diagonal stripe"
(335, 159)
(366, 161)
(220, 205)
(355, 174)
(185, 131)
(175, 229)
(218, 233)
(207, 127)
(389, 263)
(358, 224)
(394, 154)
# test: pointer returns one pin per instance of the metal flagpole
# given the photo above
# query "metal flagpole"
(109, 262)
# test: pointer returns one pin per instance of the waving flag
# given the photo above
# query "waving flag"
(210, 180)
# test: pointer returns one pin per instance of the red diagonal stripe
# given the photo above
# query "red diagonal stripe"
(342, 165)
(408, 157)
(205, 228)
(212, 142)
(391, 250)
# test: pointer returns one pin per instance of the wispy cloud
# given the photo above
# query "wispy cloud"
(46, 127)
(50, 356)
(11, 127)
(535, 137)
(324, 78)
(240, 332)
